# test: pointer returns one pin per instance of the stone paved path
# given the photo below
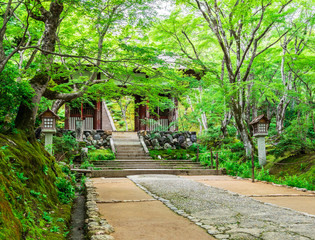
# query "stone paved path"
(135, 215)
(265, 192)
(228, 215)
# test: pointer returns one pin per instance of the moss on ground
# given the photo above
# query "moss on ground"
(302, 165)
(29, 204)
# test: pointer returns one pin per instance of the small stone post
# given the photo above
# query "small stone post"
(261, 151)
(79, 130)
(49, 139)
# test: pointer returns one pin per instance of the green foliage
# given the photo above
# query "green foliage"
(12, 94)
(45, 169)
(66, 190)
(86, 164)
(65, 146)
(172, 154)
(211, 138)
(47, 217)
(21, 176)
(101, 154)
(294, 141)
(23, 198)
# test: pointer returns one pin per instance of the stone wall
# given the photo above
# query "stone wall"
(168, 140)
(97, 138)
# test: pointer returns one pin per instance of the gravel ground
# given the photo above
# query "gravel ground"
(226, 215)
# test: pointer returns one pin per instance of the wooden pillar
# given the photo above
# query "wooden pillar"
(176, 113)
(98, 115)
(141, 113)
(137, 119)
(142, 116)
(67, 116)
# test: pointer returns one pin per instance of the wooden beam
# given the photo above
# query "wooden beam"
(98, 116)
(67, 116)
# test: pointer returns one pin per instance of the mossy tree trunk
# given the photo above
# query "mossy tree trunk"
(26, 116)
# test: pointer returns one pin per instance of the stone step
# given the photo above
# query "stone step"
(127, 144)
(132, 157)
(128, 148)
(126, 137)
(148, 167)
(116, 162)
(118, 133)
(134, 151)
(122, 163)
(127, 172)
(145, 161)
(126, 140)
(131, 154)
(124, 150)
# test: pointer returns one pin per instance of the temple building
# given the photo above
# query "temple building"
(99, 117)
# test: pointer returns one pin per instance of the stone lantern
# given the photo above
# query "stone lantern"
(48, 127)
(260, 126)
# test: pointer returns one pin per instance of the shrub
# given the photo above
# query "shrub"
(101, 154)
(65, 146)
(86, 164)
(66, 191)
(172, 154)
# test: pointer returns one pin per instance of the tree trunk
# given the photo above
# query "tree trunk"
(242, 129)
(281, 109)
(26, 116)
(225, 122)
(285, 101)
(57, 105)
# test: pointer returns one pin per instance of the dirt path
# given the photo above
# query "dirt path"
(281, 196)
(135, 215)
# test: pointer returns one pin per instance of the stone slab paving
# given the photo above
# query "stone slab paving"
(265, 192)
(227, 215)
(136, 215)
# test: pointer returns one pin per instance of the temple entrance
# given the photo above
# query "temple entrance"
(123, 113)
(128, 113)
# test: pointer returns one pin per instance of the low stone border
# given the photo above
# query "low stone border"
(97, 228)
(274, 184)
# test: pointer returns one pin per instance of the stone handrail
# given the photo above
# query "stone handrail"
(112, 145)
(143, 145)
(110, 117)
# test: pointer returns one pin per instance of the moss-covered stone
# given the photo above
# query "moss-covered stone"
(27, 191)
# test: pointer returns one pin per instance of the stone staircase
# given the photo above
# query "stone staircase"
(131, 159)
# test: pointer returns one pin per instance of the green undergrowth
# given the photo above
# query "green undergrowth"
(297, 170)
(173, 154)
(294, 171)
(101, 154)
(35, 192)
